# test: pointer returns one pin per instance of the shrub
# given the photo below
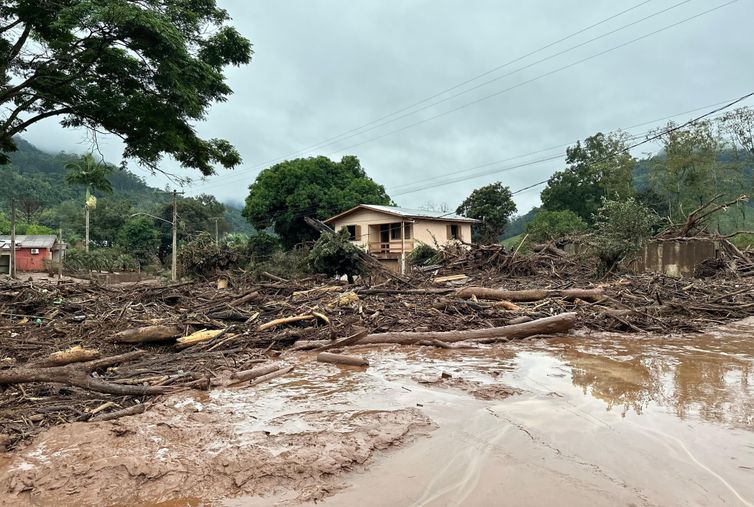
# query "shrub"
(101, 259)
(550, 225)
(286, 264)
(423, 255)
(743, 241)
(201, 256)
(334, 254)
(621, 228)
(261, 245)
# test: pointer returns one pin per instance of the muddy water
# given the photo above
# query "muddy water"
(602, 420)
(599, 420)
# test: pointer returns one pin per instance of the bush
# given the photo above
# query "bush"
(101, 259)
(334, 254)
(290, 264)
(423, 255)
(743, 241)
(550, 225)
(261, 245)
(621, 228)
(201, 256)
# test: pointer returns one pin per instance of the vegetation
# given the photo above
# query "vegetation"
(285, 193)
(422, 255)
(620, 229)
(334, 254)
(144, 71)
(549, 225)
(493, 205)
(601, 167)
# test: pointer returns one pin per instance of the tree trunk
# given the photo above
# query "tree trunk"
(147, 334)
(549, 325)
(530, 295)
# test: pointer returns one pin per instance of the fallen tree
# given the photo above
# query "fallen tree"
(548, 325)
(530, 295)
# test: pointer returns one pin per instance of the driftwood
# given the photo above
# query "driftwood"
(75, 354)
(549, 325)
(147, 334)
(350, 340)
(199, 337)
(251, 296)
(117, 414)
(329, 357)
(270, 376)
(78, 375)
(244, 375)
(530, 295)
(290, 320)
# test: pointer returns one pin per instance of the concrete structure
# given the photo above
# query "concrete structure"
(675, 257)
(31, 252)
(390, 232)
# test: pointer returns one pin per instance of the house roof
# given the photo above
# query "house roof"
(29, 241)
(407, 213)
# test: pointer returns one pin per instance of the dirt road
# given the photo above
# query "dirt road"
(598, 420)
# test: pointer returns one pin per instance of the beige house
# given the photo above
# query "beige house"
(390, 232)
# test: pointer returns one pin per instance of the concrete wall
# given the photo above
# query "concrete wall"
(675, 257)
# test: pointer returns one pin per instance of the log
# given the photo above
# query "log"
(270, 376)
(548, 325)
(530, 295)
(198, 337)
(242, 375)
(290, 320)
(147, 334)
(117, 414)
(78, 375)
(300, 294)
(350, 340)
(329, 357)
(76, 354)
(251, 296)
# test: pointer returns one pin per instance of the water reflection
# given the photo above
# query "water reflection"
(709, 376)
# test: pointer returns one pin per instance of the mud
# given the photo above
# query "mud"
(581, 420)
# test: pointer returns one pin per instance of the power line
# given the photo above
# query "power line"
(458, 85)
(500, 92)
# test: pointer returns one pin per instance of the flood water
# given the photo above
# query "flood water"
(602, 420)
(596, 420)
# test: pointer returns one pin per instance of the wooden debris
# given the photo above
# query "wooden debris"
(273, 375)
(259, 371)
(117, 414)
(147, 334)
(76, 354)
(530, 295)
(198, 337)
(329, 357)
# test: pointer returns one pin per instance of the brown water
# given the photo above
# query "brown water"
(601, 420)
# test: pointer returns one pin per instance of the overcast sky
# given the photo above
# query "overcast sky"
(322, 68)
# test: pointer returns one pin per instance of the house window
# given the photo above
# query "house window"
(454, 231)
(407, 231)
(395, 231)
(352, 229)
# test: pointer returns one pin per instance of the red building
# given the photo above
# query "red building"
(31, 252)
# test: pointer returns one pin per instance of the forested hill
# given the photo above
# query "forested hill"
(36, 180)
(37, 175)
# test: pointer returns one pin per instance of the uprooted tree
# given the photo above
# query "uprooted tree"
(143, 71)
(334, 254)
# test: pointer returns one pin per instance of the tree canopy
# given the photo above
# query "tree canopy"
(285, 193)
(600, 167)
(493, 205)
(143, 71)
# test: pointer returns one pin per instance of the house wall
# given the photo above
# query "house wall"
(25, 261)
(424, 231)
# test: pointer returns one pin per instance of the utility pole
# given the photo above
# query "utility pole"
(60, 253)
(217, 235)
(13, 239)
(174, 267)
(86, 227)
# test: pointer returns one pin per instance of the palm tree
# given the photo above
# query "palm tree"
(93, 176)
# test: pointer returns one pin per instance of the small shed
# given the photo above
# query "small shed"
(31, 252)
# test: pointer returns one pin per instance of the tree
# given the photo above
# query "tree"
(140, 238)
(621, 227)
(29, 209)
(493, 205)
(549, 225)
(334, 254)
(143, 71)
(92, 175)
(285, 193)
(195, 215)
(601, 167)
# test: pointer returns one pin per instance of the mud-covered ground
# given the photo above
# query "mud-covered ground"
(585, 419)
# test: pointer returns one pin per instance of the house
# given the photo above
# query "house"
(390, 232)
(31, 252)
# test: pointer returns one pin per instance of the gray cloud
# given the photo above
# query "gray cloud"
(325, 67)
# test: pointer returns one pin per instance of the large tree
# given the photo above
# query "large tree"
(92, 175)
(600, 167)
(493, 205)
(287, 192)
(145, 71)
(195, 215)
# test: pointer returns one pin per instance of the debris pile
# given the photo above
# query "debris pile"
(74, 352)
